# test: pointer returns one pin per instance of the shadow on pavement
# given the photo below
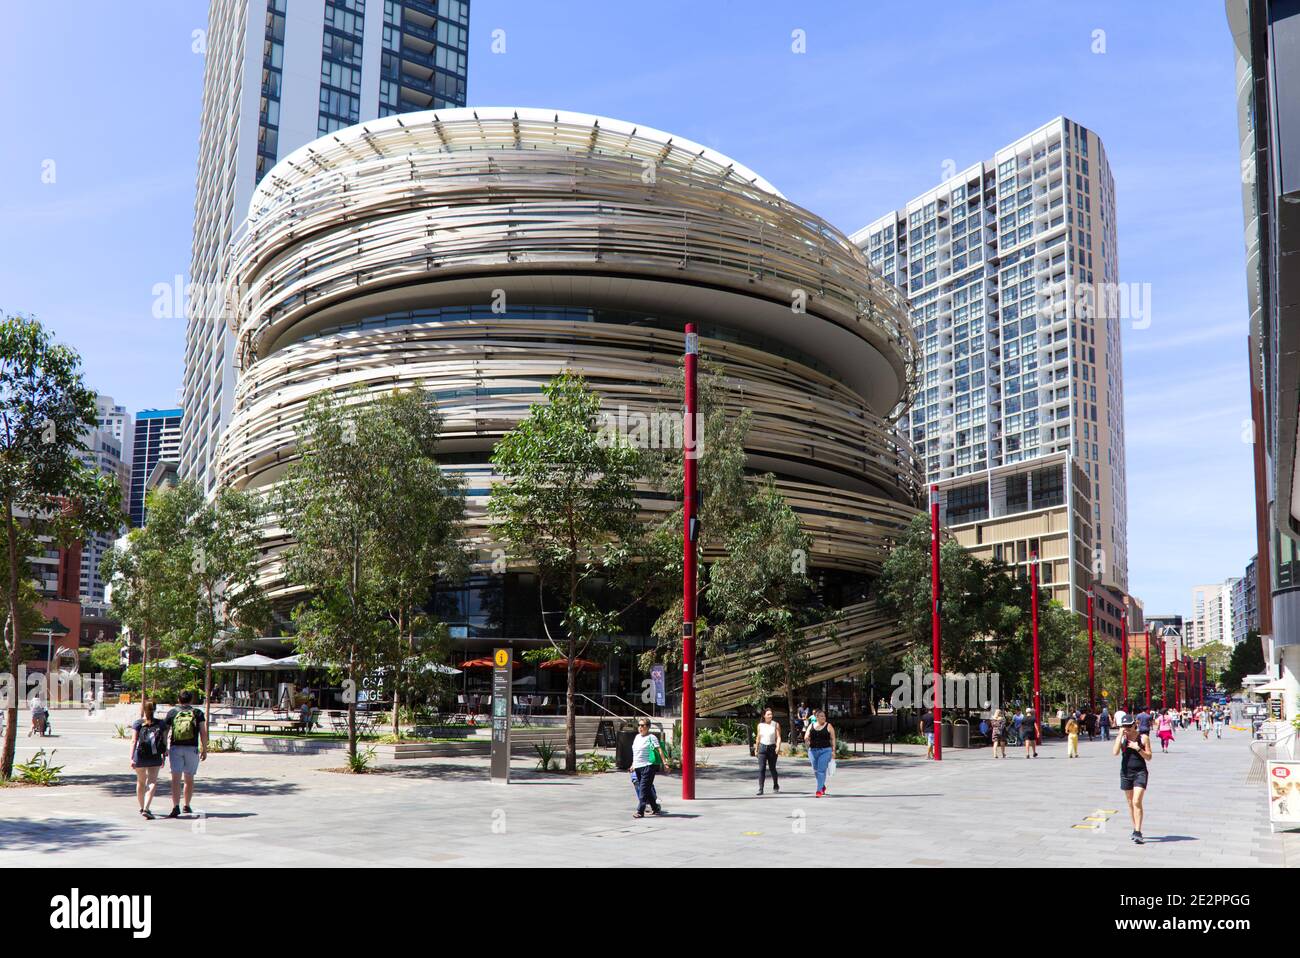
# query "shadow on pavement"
(1160, 839)
(121, 786)
(54, 834)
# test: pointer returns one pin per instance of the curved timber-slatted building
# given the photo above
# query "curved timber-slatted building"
(478, 252)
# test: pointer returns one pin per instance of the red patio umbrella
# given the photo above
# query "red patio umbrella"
(482, 664)
(580, 665)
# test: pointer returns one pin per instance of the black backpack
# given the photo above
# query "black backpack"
(151, 745)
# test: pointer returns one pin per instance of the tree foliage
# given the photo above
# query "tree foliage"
(566, 505)
(374, 523)
(46, 490)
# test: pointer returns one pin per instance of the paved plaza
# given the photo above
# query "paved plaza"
(882, 810)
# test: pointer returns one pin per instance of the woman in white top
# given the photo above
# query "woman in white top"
(769, 743)
(646, 758)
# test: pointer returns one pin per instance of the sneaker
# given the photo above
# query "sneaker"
(776, 788)
(819, 793)
(187, 810)
(147, 814)
(175, 812)
(1138, 839)
(760, 791)
(660, 811)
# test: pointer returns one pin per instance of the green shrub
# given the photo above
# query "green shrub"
(546, 752)
(39, 771)
(219, 744)
(359, 764)
(119, 731)
(595, 762)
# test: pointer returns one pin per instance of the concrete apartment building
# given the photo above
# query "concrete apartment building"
(108, 452)
(278, 75)
(1212, 618)
(1012, 271)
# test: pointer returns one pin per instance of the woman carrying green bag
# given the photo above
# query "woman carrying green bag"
(647, 756)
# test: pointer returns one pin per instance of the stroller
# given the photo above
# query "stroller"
(41, 722)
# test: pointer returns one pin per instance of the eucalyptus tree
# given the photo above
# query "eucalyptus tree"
(46, 491)
(566, 504)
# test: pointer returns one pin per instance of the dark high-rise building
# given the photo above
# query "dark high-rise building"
(157, 438)
(278, 75)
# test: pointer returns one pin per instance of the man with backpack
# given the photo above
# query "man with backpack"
(189, 746)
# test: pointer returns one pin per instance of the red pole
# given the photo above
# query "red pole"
(936, 649)
(690, 535)
(1092, 675)
(1123, 651)
(1164, 698)
(1033, 602)
(1178, 683)
(1146, 639)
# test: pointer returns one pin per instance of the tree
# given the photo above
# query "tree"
(1218, 656)
(1247, 659)
(209, 549)
(566, 504)
(419, 512)
(984, 615)
(142, 594)
(45, 488)
(376, 523)
(759, 590)
(106, 657)
(326, 503)
(724, 491)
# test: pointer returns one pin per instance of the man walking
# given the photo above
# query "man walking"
(1104, 722)
(189, 746)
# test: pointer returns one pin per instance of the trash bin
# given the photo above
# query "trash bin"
(945, 737)
(624, 753)
(961, 734)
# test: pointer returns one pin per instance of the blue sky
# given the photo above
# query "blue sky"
(885, 95)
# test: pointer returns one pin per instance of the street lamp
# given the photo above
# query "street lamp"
(1033, 601)
(690, 533)
(1146, 641)
(1092, 679)
(1123, 652)
(935, 630)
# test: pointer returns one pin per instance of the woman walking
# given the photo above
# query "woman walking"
(769, 744)
(1165, 730)
(821, 747)
(1031, 733)
(1134, 750)
(1072, 737)
(647, 754)
(148, 748)
(999, 732)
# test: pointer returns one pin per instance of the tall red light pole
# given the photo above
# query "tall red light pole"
(1146, 639)
(1092, 675)
(1164, 698)
(1123, 651)
(935, 632)
(690, 535)
(1033, 604)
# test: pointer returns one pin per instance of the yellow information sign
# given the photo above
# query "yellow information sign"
(501, 658)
